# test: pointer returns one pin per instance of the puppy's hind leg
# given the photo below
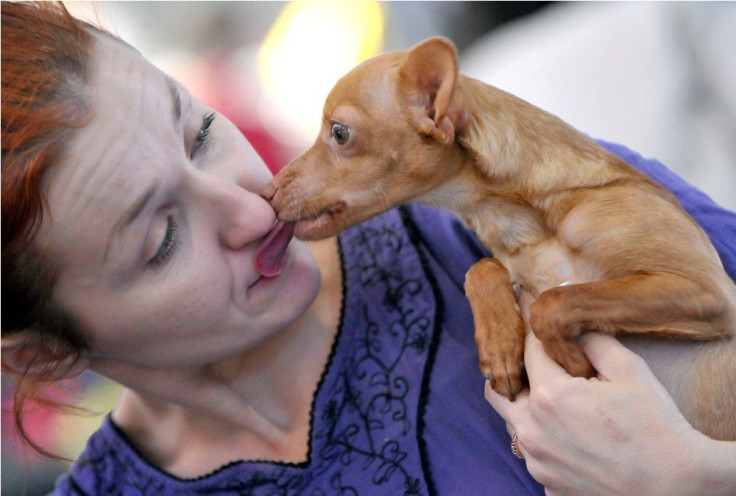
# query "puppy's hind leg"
(652, 304)
(499, 329)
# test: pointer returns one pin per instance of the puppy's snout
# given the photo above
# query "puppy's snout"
(268, 192)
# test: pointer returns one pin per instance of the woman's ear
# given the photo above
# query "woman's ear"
(46, 358)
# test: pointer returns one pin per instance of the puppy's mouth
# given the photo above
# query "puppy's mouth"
(322, 225)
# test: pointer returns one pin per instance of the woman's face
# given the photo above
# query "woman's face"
(155, 218)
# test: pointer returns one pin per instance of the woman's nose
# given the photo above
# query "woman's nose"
(240, 216)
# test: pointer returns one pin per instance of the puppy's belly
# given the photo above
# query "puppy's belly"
(700, 376)
(671, 361)
(547, 265)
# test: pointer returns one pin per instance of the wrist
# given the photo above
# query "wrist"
(718, 472)
(711, 468)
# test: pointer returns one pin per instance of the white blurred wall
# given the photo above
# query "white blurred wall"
(659, 78)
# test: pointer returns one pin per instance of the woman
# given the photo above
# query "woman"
(131, 222)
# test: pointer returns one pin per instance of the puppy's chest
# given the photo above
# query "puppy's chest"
(533, 255)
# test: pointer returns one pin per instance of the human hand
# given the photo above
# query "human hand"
(618, 434)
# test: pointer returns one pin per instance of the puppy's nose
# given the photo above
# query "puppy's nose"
(268, 192)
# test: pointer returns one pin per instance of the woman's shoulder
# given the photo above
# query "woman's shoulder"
(718, 222)
(106, 460)
(110, 465)
(85, 477)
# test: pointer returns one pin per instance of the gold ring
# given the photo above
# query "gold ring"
(515, 447)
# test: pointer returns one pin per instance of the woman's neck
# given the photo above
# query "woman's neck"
(254, 405)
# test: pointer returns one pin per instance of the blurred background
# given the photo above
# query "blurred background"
(657, 77)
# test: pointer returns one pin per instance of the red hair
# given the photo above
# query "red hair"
(45, 75)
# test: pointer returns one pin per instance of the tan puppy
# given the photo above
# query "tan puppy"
(601, 246)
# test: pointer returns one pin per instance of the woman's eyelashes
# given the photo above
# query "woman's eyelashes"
(203, 135)
(168, 245)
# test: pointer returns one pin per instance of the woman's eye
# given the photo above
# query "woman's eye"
(203, 135)
(168, 244)
(340, 133)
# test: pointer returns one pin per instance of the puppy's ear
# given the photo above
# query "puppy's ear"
(426, 83)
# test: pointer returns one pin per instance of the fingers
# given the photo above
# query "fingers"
(506, 408)
(540, 367)
(611, 359)
(512, 412)
(538, 364)
(499, 403)
(525, 302)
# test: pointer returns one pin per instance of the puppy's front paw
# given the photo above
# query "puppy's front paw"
(499, 330)
(503, 365)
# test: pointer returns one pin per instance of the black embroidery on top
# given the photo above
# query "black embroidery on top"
(368, 408)
(372, 388)
(439, 317)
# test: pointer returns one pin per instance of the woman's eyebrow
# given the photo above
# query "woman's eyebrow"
(175, 97)
(138, 206)
(128, 218)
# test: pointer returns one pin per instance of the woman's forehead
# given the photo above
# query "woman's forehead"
(120, 73)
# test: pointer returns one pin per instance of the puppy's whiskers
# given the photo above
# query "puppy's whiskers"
(383, 197)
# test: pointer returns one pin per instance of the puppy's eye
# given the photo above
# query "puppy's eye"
(340, 133)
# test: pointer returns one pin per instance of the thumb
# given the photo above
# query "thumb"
(611, 359)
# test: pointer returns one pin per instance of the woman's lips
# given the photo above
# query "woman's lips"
(270, 257)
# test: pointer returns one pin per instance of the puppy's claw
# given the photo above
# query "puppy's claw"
(506, 383)
(509, 393)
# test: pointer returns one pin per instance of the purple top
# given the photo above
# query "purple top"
(400, 407)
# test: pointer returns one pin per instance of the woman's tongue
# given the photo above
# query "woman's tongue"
(269, 257)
